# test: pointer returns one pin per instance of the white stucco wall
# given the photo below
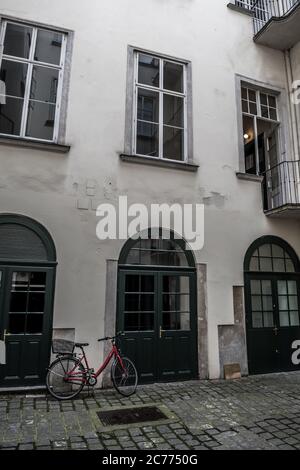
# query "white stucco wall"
(47, 186)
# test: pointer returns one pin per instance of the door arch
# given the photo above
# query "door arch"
(157, 307)
(27, 282)
(272, 299)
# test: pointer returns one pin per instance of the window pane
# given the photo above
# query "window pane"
(282, 287)
(265, 250)
(17, 40)
(170, 321)
(40, 122)
(263, 99)
(244, 93)
(292, 286)
(146, 321)
(147, 139)
(132, 283)
(267, 302)
(284, 319)
(249, 144)
(18, 302)
(132, 302)
(272, 101)
(252, 95)
(283, 302)
(289, 266)
(268, 319)
(173, 111)
(173, 143)
(293, 302)
(266, 287)
(173, 77)
(184, 318)
(279, 265)
(257, 320)
(253, 108)
(34, 324)
(294, 316)
(10, 115)
(36, 302)
(147, 302)
(277, 251)
(265, 264)
(255, 287)
(148, 105)
(17, 323)
(148, 70)
(147, 283)
(44, 84)
(48, 47)
(256, 302)
(13, 78)
(264, 112)
(273, 114)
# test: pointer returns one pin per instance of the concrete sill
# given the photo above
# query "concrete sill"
(159, 162)
(248, 177)
(234, 7)
(34, 144)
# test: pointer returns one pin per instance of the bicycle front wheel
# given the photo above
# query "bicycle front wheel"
(124, 376)
(66, 378)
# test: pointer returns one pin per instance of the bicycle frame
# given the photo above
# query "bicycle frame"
(114, 353)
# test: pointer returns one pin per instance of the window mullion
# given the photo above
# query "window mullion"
(256, 147)
(26, 101)
(2, 36)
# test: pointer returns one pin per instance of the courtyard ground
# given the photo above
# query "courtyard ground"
(261, 412)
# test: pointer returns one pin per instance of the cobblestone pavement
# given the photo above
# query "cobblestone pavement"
(261, 412)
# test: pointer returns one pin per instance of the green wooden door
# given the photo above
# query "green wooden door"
(157, 312)
(273, 322)
(26, 324)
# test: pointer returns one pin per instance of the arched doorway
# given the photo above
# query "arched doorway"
(157, 308)
(27, 278)
(272, 297)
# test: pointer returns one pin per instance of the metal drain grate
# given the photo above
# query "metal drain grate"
(130, 416)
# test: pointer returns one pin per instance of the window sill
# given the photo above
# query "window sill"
(249, 177)
(159, 162)
(234, 7)
(34, 144)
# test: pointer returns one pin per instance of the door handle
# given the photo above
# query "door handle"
(160, 331)
(275, 330)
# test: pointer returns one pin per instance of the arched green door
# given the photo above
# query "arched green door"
(272, 294)
(157, 309)
(27, 278)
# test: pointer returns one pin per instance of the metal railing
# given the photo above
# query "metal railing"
(248, 4)
(265, 10)
(281, 185)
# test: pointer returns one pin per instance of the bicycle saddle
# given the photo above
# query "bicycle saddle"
(81, 345)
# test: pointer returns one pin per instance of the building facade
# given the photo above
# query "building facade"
(162, 102)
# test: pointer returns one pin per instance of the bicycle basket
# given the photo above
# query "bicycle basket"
(62, 346)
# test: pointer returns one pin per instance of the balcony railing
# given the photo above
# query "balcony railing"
(281, 186)
(266, 10)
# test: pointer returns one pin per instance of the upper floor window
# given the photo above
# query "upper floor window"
(31, 75)
(160, 108)
(260, 129)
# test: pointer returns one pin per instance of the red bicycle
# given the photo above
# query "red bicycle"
(70, 372)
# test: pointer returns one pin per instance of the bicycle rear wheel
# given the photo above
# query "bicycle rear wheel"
(124, 376)
(66, 378)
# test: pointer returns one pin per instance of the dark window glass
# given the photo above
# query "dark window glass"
(13, 78)
(173, 77)
(10, 115)
(148, 105)
(17, 40)
(48, 47)
(173, 143)
(36, 302)
(17, 323)
(132, 283)
(44, 84)
(40, 122)
(132, 302)
(173, 111)
(147, 283)
(147, 302)
(148, 70)
(34, 324)
(147, 139)
(18, 302)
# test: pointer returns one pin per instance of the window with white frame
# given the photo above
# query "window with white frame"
(160, 108)
(260, 129)
(31, 75)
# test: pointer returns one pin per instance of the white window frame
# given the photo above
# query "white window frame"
(161, 91)
(258, 115)
(31, 62)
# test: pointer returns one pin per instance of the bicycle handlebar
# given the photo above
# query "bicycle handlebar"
(112, 338)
